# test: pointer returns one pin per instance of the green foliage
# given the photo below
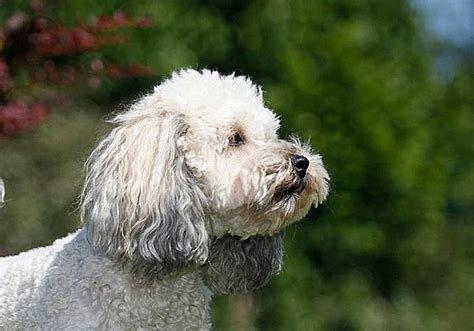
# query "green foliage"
(392, 247)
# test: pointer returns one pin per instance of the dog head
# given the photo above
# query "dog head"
(195, 174)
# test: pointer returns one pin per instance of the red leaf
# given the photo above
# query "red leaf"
(16, 21)
(119, 20)
(16, 117)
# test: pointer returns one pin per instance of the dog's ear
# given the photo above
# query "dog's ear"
(236, 265)
(140, 203)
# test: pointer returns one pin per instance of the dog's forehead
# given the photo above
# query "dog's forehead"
(212, 100)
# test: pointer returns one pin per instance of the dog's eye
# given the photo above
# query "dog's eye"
(236, 139)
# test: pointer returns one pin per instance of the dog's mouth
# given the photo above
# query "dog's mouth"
(286, 191)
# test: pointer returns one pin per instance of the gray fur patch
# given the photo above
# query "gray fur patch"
(236, 265)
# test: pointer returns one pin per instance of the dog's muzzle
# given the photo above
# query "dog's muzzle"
(296, 186)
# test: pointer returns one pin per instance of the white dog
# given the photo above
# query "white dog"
(187, 196)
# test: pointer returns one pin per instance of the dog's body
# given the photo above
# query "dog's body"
(187, 196)
(69, 286)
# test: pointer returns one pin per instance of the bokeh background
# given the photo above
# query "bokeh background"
(384, 90)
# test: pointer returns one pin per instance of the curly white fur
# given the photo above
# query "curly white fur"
(187, 196)
(2, 192)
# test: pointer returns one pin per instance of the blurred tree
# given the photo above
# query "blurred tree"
(357, 78)
(35, 53)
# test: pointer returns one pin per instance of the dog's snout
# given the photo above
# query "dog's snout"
(300, 163)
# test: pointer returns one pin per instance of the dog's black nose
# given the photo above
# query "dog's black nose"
(300, 163)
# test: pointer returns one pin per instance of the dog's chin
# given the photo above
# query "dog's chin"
(287, 203)
(290, 203)
(288, 191)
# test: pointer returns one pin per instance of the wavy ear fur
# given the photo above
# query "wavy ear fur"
(140, 203)
(236, 265)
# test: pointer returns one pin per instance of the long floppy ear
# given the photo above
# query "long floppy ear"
(236, 265)
(140, 203)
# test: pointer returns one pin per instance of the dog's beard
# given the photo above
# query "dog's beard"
(264, 193)
(291, 199)
(265, 205)
(292, 187)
